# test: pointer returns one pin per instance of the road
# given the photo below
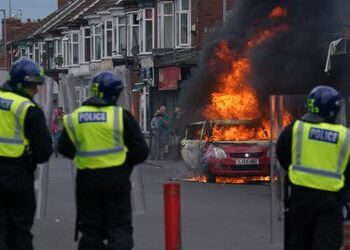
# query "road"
(214, 216)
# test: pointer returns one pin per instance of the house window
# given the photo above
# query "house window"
(30, 52)
(58, 59)
(166, 25)
(73, 48)
(120, 35)
(183, 23)
(97, 42)
(42, 53)
(133, 34)
(23, 53)
(146, 30)
(65, 50)
(108, 38)
(36, 53)
(87, 45)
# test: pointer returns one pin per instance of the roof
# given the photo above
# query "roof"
(102, 6)
(75, 16)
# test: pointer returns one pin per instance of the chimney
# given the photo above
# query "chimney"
(60, 3)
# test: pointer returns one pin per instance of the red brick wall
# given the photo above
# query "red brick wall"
(16, 30)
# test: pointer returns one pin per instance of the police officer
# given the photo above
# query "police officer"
(24, 141)
(105, 142)
(315, 151)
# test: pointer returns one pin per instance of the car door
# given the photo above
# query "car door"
(191, 144)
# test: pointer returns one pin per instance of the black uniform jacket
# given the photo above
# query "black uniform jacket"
(284, 151)
(38, 135)
(133, 139)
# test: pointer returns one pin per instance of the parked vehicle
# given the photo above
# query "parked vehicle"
(207, 153)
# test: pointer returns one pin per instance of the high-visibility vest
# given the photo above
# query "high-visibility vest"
(97, 134)
(320, 154)
(13, 110)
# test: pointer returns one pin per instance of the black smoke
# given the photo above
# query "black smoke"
(290, 62)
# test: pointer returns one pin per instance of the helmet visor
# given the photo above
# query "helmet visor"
(36, 80)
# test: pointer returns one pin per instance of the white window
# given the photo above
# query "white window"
(73, 49)
(183, 23)
(96, 42)
(65, 50)
(30, 51)
(120, 35)
(108, 38)
(58, 53)
(36, 53)
(23, 52)
(146, 17)
(166, 25)
(42, 52)
(133, 34)
(87, 44)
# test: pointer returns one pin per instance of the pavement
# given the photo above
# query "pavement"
(214, 216)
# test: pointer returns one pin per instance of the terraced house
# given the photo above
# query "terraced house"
(153, 44)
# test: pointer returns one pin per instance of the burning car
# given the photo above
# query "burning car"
(225, 148)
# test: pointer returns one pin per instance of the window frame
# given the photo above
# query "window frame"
(93, 41)
(130, 25)
(179, 11)
(161, 24)
(143, 33)
(105, 40)
(83, 45)
(117, 40)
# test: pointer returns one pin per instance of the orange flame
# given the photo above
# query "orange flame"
(235, 98)
(278, 12)
(266, 34)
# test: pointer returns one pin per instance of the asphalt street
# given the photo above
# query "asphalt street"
(214, 216)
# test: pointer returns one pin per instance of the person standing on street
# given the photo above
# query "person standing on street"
(177, 129)
(155, 136)
(106, 142)
(24, 141)
(315, 151)
(58, 127)
(164, 133)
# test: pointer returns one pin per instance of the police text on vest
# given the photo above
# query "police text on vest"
(5, 104)
(323, 135)
(92, 117)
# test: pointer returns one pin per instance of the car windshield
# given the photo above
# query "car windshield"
(238, 131)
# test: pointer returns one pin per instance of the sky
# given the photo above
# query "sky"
(32, 9)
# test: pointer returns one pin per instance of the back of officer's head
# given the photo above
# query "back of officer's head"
(107, 87)
(25, 75)
(323, 103)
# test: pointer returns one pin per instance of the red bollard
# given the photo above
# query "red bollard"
(346, 231)
(172, 216)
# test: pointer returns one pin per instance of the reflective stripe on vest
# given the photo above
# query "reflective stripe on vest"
(101, 157)
(330, 177)
(14, 109)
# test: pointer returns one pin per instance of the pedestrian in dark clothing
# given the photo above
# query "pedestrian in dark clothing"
(105, 142)
(154, 144)
(315, 151)
(164, 133)
(177, 129)
(24, 141)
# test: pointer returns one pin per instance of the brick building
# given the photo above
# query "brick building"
(15, 30)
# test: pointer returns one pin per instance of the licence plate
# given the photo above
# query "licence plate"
(247, 161)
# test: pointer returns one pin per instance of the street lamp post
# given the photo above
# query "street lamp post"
(4, 37)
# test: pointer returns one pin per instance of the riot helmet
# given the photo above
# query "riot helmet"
(107, 86)
(324, 101)
(25, 74)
